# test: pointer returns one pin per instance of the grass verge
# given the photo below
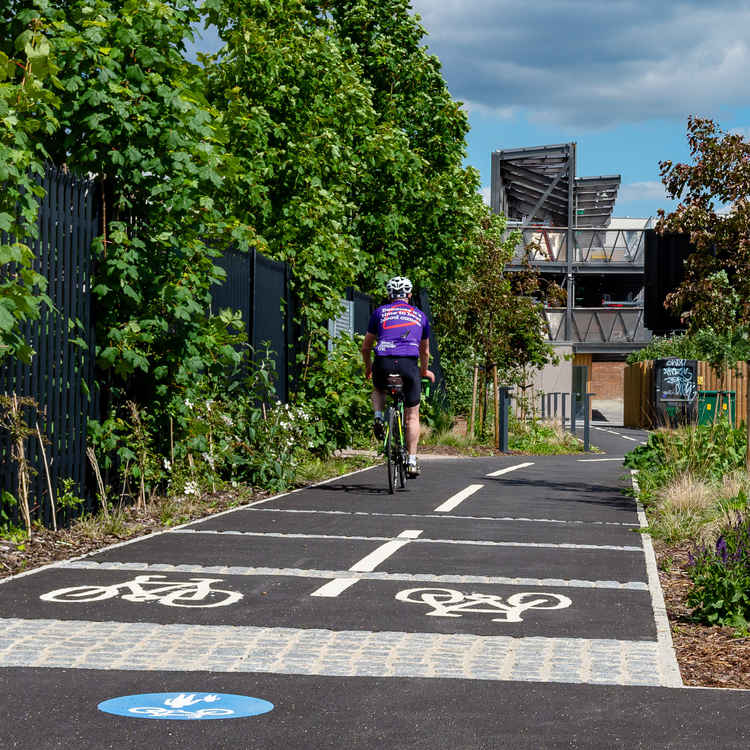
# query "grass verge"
(528, 437)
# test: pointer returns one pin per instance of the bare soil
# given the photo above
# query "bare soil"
(709, 656)
(46, 546)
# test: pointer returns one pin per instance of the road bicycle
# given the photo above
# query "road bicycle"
(196, 592)
(394, 442)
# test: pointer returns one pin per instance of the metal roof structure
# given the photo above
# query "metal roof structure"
(595, 200)
(538, 185)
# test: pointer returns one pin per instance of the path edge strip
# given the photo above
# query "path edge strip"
(667, 655)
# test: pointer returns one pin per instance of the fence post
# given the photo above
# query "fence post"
(503, 413)
(496, 402)
(555, 403)
(563, 396)
(586, 423)
(470, 426)
(573, 406)
(544, 414)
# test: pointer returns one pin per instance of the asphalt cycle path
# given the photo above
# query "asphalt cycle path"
(495, 601)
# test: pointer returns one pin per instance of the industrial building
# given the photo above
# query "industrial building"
(568, 234)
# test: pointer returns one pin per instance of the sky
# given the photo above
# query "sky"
(619, 78)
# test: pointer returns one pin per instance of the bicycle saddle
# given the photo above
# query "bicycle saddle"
(394, 383)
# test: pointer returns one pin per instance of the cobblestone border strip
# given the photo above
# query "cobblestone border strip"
(184, 525)
(83, 644)
(370, 576)
(667, 656)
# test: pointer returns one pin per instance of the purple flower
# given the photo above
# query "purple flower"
(721, 549)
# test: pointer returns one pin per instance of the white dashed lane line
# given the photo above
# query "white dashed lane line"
(500, 472)
(458, 498)
(619, 434)
(367, 564)
(399, 541)
(523, 519)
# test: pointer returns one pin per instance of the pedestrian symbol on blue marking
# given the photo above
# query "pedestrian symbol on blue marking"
(186, 706)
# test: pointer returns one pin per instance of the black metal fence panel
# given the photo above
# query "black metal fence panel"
(363, 309)
(259, 288)
(61, 372)
(270, 324)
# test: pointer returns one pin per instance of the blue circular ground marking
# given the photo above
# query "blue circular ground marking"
(185, 706)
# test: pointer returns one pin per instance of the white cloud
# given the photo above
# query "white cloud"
(485, 192)
(585, 64)
(650, 190)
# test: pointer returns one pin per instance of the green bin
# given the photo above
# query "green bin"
(709, 402)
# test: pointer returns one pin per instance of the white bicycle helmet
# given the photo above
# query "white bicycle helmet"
(398, 287)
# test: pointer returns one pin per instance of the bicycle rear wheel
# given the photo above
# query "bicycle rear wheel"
(401, 455)
(392, 448)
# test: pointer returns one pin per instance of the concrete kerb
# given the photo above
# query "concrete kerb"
(60, 563)
(667, 656)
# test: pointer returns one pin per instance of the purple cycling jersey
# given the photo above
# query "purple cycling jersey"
(399, 328)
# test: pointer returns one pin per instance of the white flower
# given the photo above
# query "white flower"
(167, 464)
(188, 403)
(227, 420)
(191, 487)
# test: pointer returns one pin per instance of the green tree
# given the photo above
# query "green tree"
(419, 210)
(134, 115)
(351, 145)
(496, 318)
(714, 210)
(28, 107)
(300, 122)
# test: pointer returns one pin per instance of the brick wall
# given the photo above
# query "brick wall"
(607, 380)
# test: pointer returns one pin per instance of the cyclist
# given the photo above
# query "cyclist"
(402, 333)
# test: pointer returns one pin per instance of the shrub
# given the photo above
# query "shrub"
(338, 398)
(705, 451)
(720, 576)
(540, 438)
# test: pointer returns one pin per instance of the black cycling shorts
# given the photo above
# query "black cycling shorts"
(407, 368)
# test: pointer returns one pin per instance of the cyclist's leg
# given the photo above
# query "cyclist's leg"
(378, 400)
(379, 374)
(412, 392)
(411, 417)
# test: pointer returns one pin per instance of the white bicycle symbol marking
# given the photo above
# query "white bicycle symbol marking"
(195, 592)
(450, 603)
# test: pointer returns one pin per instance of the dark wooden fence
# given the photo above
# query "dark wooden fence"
(61, 372)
